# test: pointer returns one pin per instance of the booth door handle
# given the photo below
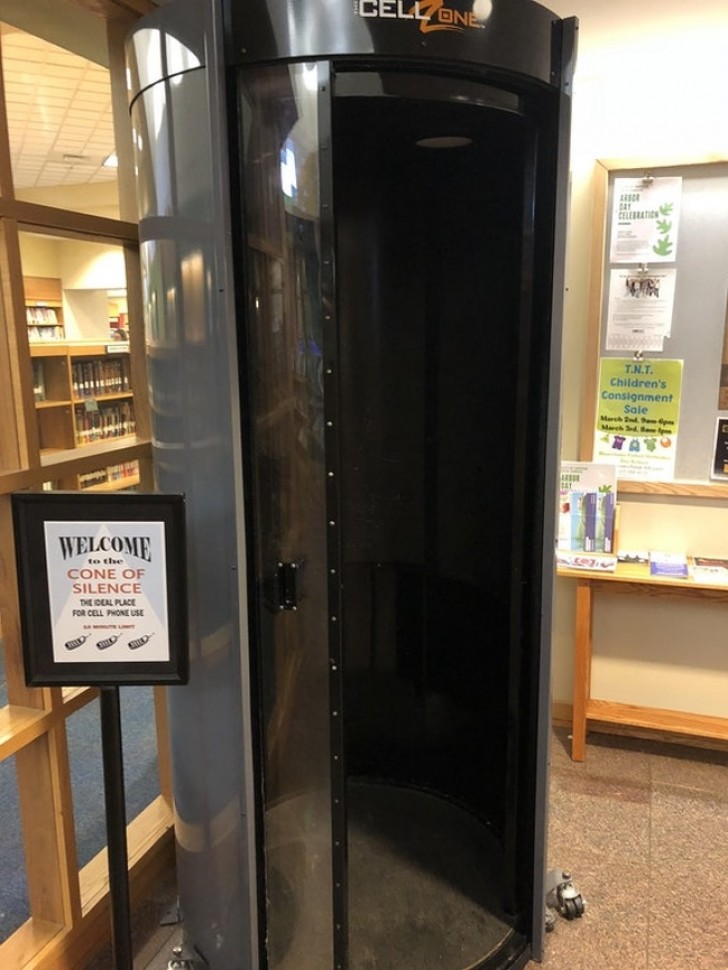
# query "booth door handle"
(287, 585)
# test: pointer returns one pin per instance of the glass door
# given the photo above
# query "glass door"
(285, 418)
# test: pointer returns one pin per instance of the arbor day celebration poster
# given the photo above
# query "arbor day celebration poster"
(645, 220)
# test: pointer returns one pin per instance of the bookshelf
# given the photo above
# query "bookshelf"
(83, 393)
(44, 308)
(111, 478)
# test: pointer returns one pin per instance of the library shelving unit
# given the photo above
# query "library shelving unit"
(44, 308)
(83, 392)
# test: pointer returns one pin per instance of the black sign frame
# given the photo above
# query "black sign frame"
(31, 512)
(720, 450)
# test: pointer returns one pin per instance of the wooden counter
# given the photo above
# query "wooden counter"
(632, 579)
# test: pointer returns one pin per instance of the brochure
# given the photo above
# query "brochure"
(600, 563)
(668, 564)
(707, 569)
(633, 556)
(587, 507)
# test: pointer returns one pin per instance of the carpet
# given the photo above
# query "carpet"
(84, 745)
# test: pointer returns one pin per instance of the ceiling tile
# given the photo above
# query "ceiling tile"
(56, 103)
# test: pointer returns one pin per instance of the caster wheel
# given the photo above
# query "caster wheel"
(573, 908)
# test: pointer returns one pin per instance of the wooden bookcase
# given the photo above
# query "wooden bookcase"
(82, 390)
(44, 308)
(83, 393)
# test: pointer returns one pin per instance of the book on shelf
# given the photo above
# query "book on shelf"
(668, 564)
(97, 422)
(98, 376)
(43, 323)
(41, 333)
(89, 479)
(109, 475)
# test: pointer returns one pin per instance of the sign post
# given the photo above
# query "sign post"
(102, 584)
(115, 806)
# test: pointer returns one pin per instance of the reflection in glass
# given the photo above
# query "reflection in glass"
(173, 174)
(158, 56)
(151, 140)
(280, 126)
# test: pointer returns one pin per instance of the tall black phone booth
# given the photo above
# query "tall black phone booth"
(352, 221)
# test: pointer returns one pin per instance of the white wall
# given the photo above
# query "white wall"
(95, 198)
(92, 266)
(651, 83)
(87, 271)
(39, 255)
(86, 314)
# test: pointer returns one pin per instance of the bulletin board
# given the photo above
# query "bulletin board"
(659, 344)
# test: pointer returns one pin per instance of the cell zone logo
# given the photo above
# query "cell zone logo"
(430, 14)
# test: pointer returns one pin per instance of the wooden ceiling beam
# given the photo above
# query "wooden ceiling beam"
(111, 10)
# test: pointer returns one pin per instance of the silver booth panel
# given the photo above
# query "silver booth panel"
(352, 232)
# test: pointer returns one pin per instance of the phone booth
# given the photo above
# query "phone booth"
(352, 231)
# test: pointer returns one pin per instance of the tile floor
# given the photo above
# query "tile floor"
(643, 828)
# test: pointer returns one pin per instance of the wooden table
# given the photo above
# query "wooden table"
(632, 579)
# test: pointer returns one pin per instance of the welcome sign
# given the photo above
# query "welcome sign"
(102, 585)
(107, 584)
